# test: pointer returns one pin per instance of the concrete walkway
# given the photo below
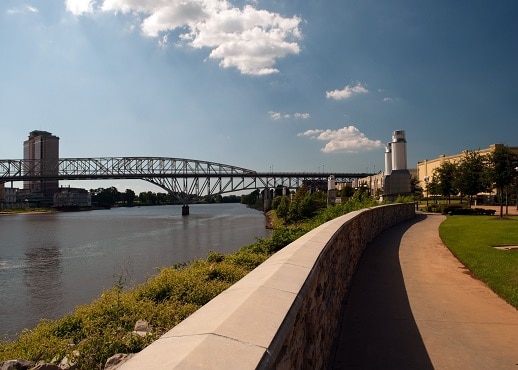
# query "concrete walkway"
(415, 306)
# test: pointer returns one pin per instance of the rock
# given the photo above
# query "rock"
(116, 360)
(142, 328)
(68, 364)
(19, 364)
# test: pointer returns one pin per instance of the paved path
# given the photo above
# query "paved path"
(414, 306)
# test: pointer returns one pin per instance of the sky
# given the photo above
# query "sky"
(260, 84)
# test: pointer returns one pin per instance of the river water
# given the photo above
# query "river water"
(50, 263)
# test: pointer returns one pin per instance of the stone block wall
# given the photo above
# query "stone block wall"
(314, 328)
(285, 313)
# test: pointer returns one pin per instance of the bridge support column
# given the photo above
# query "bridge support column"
(331, 191)
(185, 210)
(267, 202)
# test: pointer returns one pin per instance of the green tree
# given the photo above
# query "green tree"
(282, 206)
(128, 197)
(502, 170)
(432, 187)
(250, 199)
(148, 198)
(347, 191)
(471, 176)
(105, 197)
(416, 189)
(445, 176)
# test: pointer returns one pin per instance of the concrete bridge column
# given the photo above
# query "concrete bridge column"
(267, 202)
(185, 210)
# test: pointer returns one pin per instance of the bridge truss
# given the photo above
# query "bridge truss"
(185, 178)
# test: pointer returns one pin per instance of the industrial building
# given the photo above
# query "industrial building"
(426, 168)
(397, 176)
(72, 199)
(395, 180)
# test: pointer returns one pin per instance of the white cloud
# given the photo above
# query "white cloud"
(248, 39)
(277, 115)
(344, 140)
(347, 92)
(302, 115)
(79, 7)
(23, 10)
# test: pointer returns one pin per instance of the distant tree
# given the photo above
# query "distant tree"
(472, 175)
(230, 199)
(282, 206)
(502, 163)
(347, 191)
(250, 199)
(432, 187)
(105, 197)
(128, 197)
(278, 191)
(416, 189)
(445, 176)
(148, 198)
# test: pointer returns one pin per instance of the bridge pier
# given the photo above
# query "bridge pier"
(185, 210)
(267, 201)
(331, 191)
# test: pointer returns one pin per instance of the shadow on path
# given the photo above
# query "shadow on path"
(378, 330)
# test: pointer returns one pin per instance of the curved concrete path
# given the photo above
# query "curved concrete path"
(415, 306)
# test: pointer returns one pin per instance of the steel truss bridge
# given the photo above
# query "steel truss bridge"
(187, 177)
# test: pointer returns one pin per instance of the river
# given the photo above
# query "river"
(52, 262)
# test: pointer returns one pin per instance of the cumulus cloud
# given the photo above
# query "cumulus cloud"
(277, 115)
(347, 92)
(347, 139)
(247, 38)
(79, 7)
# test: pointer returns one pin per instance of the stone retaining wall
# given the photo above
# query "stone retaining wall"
(284, 314)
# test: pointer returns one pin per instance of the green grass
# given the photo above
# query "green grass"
(471, 240)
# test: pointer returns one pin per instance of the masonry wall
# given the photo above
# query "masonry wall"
(285, 313)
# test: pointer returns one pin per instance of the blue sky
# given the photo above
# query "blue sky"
(288, 85)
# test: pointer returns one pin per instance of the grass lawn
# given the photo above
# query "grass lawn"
(471, 240)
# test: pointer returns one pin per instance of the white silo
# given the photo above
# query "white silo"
(398, 150)
(388, 159)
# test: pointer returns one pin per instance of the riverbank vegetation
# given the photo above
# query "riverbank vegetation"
(96, 331)
(472, 239)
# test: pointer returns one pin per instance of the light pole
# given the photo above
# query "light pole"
(426, 179)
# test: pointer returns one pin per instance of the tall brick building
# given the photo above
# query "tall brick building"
(43, 148)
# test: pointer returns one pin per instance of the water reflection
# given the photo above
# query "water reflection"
(42, 273)
(51, 263)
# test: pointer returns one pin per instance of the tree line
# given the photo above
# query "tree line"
(108, 197)
(476, 173)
